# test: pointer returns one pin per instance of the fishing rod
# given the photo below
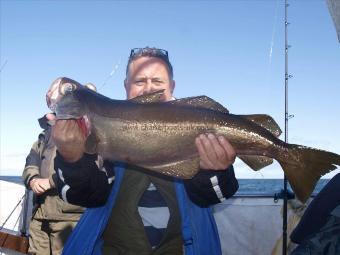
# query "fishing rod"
(287, 117)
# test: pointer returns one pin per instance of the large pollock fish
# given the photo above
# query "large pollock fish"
(159, 136)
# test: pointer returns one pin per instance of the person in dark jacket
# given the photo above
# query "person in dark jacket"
(319, 229)
(138, 212)
(53, 219)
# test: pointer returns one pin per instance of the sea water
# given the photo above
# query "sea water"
(247, 186)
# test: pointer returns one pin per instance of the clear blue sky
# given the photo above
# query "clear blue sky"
(221, 49)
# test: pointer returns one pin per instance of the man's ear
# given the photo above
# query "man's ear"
(172, 86)
(126, 86)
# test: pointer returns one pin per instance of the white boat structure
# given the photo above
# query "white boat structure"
(248, 224)
(12, 215)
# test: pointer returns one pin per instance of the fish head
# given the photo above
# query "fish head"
(67, 98)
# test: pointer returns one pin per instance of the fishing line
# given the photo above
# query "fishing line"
(3, 66)
(272, 39)
(115, 67)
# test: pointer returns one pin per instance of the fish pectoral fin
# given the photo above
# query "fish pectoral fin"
(153, 97)
(184, 169)
(264, 121)
(200, 102)
(256, 162)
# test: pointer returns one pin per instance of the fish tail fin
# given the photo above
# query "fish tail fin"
(304, 166)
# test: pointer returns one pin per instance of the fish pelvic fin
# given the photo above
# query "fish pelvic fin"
(304, 166)
(265, 121)
(256, 162)
(200, 102)
(184, 169)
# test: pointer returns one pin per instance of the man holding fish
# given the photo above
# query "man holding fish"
(134, 210)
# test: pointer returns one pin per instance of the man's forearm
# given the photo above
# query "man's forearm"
(82, 183)
(211, 187)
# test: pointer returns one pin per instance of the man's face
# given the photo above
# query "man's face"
(146, 75)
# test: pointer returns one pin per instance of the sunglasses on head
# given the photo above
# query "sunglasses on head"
(151, 52)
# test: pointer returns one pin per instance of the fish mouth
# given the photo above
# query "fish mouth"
(58, 89)
(84, 125)
(62, 87)
(52, 95)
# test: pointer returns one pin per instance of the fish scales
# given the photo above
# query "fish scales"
(160, 136)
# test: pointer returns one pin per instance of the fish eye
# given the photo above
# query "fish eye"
(66, 88)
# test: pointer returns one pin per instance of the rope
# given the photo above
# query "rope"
(17, 221)
(2, 226)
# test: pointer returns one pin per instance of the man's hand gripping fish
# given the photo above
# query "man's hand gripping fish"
(144, 131)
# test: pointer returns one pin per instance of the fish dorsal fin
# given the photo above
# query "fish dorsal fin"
(200, 102)
(264, 121)
(153, 97)
(256, 162)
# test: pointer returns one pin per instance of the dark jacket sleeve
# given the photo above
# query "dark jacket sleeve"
(82, 183)
(318, 211)
(211, 187)
(32, 166)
